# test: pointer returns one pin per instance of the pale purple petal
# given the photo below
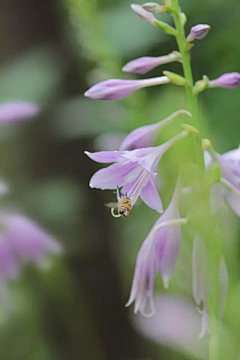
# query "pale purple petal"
(18, 111)
(151, 197)
(145, 136)
(28, 240)
(134, 188)
(145, 64)
(233, 201)
(143, 14)
(232, 160)
(176, 324)
(113, 176)
(114, 89)
(199, 31)
(144, 277)
(9, 266)
(227, 81)
(117, 89)
(140, 138)
(104, 156)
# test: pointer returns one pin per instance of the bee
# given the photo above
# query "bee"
(124, 205)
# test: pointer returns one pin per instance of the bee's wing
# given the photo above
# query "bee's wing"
(111, 205)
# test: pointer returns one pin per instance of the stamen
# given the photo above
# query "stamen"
(113, 213)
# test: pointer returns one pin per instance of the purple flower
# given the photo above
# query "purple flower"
(147, 63)
(146, 135)
(117, 89)
(17, 111)
(143, 14)
(134, 171)
(198, 32)
(9, 264)
(227, 81)
(229, 163)
(202, 282)
(28, 241)
(158, 253)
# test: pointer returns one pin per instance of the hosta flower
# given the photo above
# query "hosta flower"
(158, 253)
(134, 171)
(117, 89)
(228, 81)
(147, 63)
(198, 32)
(202, 282)
(229, 163)
(28, 241)
(143, 14)
(145, 136)
(17, 111)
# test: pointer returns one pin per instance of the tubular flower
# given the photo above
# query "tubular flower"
(17, 111)
(158, 253)
(135, 171)
(143, 14)
(145, 136)
(27, 241)
(202, 283)
(117, 89)
(198, 32)
(227, 81)
(229, 163)
(145, 64)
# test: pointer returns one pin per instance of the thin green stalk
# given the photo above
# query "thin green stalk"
(214, 345)
(187, 69)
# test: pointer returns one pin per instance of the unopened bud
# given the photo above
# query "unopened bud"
(143, 14)
(206, 144)
(176, 79)
(201, 85)
(183, 18)
(154, 8)
(227, 81)
(198, 32)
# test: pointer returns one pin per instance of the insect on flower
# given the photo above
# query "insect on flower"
(124, 205)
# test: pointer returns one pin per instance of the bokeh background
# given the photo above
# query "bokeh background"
(51, 52)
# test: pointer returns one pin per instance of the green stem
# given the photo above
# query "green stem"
(187, 70)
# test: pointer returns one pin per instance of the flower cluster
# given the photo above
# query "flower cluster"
(134, 172)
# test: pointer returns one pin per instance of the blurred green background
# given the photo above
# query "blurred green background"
(51, 52)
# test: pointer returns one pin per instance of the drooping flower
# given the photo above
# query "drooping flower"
(145, 64)
(117, 89)
(17, 111)
(145, 136)
(158, 253)
(229, 164)
(135, 171)
(202, 282)
(198, 32)
(27, 240)
(227, 81)
(143, 14)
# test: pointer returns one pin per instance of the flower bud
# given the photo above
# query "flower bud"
(147, 63)
(176, 79)
(154, 8)
(143, 14)
(227, 81)
(198, 32)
